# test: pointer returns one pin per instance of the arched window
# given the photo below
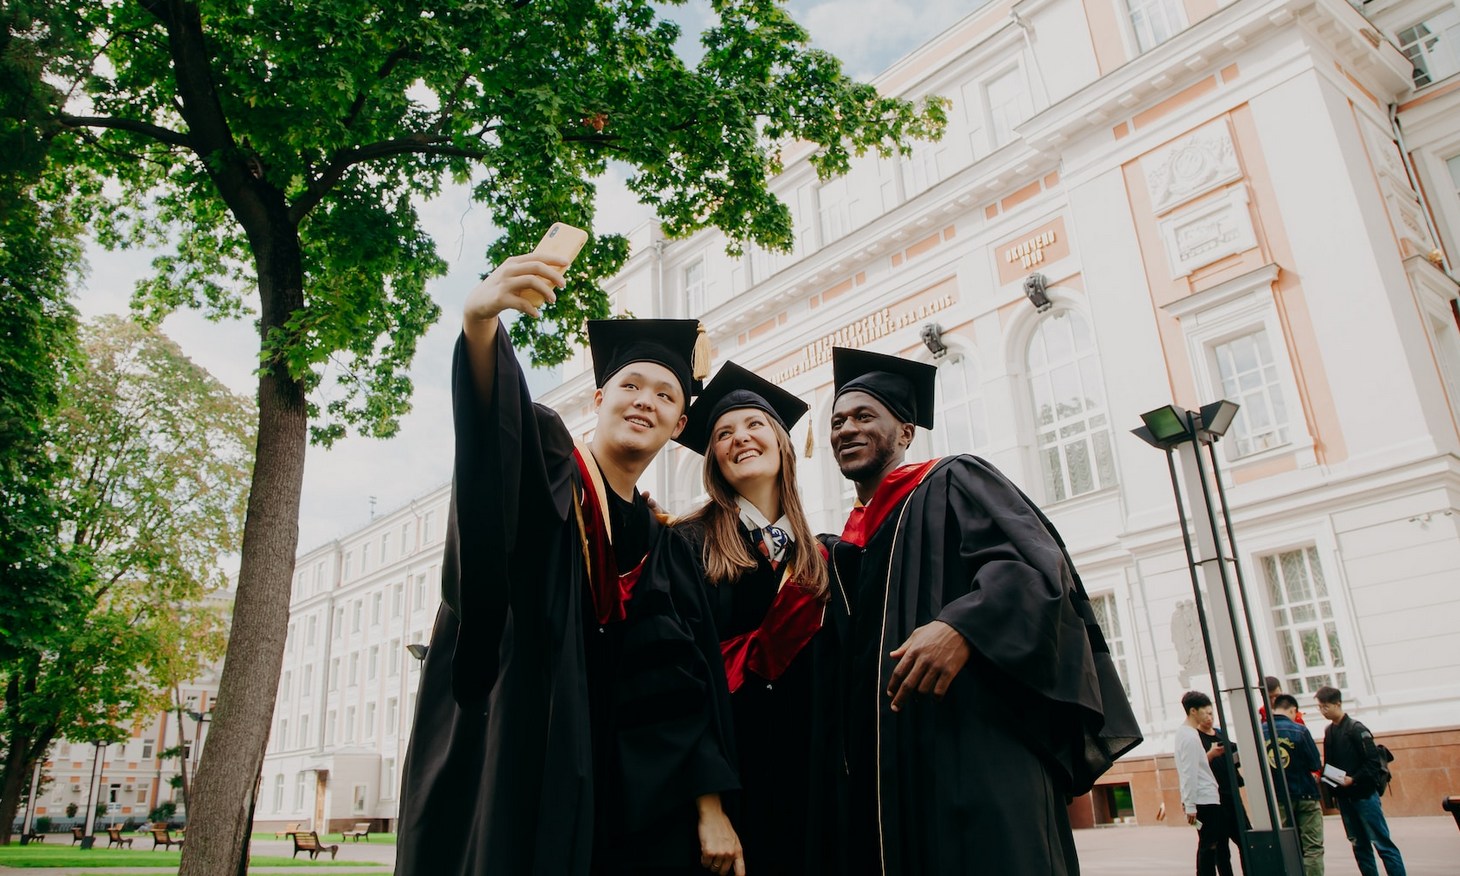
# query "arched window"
(960, 424)
(1071, 422)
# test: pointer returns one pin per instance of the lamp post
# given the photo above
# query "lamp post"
(87, 838)
(1227, 631)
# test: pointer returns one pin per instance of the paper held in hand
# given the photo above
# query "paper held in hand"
(1333, 776)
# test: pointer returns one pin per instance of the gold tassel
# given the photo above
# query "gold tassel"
(701, 362)
(810, 440)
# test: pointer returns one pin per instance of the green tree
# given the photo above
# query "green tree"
(277, 146)
(158, 469)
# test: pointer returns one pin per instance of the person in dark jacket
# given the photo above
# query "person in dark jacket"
(572, 716)
(1349, 746)
(1294, 760)
(766, 581)
(977, 692)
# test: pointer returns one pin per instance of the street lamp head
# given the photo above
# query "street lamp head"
(1216, 418)
(1164, 427)
(417, 650)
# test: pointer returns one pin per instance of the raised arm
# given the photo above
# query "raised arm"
(523, 283)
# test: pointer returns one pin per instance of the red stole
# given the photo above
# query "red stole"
(789, 624)
(609, 590)
(864, 519)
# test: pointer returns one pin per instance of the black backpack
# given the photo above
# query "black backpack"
(1382, 776)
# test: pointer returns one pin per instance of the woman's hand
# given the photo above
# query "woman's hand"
(523, 282)
(720, 850)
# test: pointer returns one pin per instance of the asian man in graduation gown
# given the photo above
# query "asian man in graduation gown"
(573, 715)
(976, 694)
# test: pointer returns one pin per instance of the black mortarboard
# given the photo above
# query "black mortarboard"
(734, 388)
(672, 343)
(904, 386)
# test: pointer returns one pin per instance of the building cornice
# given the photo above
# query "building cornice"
(1192, 55)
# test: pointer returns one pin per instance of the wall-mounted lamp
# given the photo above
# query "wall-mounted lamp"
(932, 335)
(1034, 289)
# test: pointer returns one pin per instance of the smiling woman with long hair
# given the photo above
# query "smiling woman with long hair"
(767, 581)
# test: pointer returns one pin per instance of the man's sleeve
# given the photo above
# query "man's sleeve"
(1370, 753)
(1189, 755)
(1307, 750)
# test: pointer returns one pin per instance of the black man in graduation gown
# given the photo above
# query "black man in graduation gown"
(766, 579)
(977, 695)
(572, 717)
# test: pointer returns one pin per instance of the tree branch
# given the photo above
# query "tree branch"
(344, 159)
(391, 61)
(147, 129)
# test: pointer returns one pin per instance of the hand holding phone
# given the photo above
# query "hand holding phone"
(558, 247)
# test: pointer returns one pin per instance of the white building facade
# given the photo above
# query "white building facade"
(1255, 200)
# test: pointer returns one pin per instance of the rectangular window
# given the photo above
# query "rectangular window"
(335, 674)
(1068, 396)
(405, 540)
(355, 668)
(834, 206)
(1108, 616)
(339, 622)
(369, 721)
(330, 726)
(308, 685)
(284, 684)
(359, 798)
(397, 599)
(1433, 47)
(387, 778)
(289, 639)
(1454, 165)
(299, 788)
(384, 548)
(364, 558)
(420, 603)
(348, 563)
(349, 723)
(357, 611)
(1303, 622)
(392, 659)
(1156, 21)
(318, 576)
(310, 628)
(1007, 98)
(303, 731)
(373, 665)
(427, 527)
(279, 792)
(694, 289)
(376, 603)
(147, 749)
(1249, 376)
(392, 716)
(283, 733)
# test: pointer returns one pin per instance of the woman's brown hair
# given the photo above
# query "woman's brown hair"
(725, 555)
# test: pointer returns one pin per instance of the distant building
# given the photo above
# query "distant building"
(1136, 202)
(348, 688)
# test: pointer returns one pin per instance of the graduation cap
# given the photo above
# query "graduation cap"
(678, 344)
(904, 386)
(732, 389)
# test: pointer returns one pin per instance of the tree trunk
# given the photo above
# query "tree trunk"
(177, 709)
(222, 788)
(18, 765)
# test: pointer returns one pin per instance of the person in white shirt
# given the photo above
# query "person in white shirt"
(1200, 794)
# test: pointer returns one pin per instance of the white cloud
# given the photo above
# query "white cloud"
(869, 35)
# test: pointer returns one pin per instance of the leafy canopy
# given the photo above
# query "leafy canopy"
(345, 111)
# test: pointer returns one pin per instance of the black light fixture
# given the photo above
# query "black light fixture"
(1164, 427)
(1217, 417)
(932, 335)
(417, 650)
(1034, 289)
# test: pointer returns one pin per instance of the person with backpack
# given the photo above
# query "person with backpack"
(1349, 746)
(1293, 758)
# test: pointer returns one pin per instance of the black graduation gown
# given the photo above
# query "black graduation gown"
(544, 742)
(980, 782)
(773, 729)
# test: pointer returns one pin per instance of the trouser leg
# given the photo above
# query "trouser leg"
(1371, 813)
(1358, 837)
(1310, 835)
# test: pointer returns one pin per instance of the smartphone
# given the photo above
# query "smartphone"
(561, 244)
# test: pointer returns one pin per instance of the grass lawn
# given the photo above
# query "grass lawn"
(38, 855)
(387, 839)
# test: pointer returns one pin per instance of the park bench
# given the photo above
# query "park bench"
(359, 831)
(1451, 805)
(161, 836)
(77, 835)
(288, 832)
(114, 838)
(309, 842)
(32, 837)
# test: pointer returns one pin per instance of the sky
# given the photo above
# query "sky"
(342, 484)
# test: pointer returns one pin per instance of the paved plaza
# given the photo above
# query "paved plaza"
(1431, 847)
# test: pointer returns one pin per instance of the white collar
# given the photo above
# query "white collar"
(752, 519)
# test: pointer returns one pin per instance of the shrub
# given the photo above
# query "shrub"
(43, 824)
(72, 809)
